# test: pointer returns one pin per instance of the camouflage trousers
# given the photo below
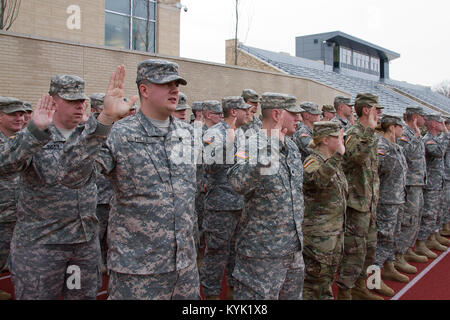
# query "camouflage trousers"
(446, 208)
(6, 233)
(269, 278)
(389, 222)
(177, 285)
(432, 211)
(220, 228)
(412, 215)
(51, 271)
(322, 255)
(198, 228)
(360, 241)
(103, 215)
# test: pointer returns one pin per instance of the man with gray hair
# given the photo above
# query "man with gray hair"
(222, 204)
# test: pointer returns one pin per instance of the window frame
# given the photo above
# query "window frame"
(131, 16)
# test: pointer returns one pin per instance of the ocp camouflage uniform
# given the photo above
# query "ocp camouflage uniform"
(414, 151)
(223, 209)
(435, 149)
(360, 166)
(325, 191)
(9, 189)
(392, 170)
(269, 262)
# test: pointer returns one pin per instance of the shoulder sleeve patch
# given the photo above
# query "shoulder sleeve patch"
(381, 152)
(242, 155)
(305, 135)
(307, 164)
(404, 138)
(431, 142)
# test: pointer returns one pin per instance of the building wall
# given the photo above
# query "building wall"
(48, 19)
(29, 62)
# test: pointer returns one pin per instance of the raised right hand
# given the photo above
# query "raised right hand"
(43, 114)
(373, 118)
(114, 106)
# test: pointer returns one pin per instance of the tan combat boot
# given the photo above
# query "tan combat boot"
(385, 290)
(4, 295)
(411, 256)
(230, 293)
(432, 243)
(422, 249)
(403, 266)
(390, 273)
(442, 240)
(344, 294)
(360, 291)
(446, 230)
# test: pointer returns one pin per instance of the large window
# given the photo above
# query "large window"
(130, 24)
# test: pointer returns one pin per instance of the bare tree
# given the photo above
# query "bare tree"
(9, 9)
(443, 88)
(236, 33)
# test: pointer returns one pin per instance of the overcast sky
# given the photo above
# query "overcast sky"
(418, 30)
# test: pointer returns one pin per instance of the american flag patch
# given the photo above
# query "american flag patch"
(308, 163)
(404, 139)
(304, 135)
(348, 140)
(381, 152)
(209, 141)
(431, 142)
(242, 155)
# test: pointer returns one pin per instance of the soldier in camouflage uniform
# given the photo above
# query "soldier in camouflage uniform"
(254, 124)
(414, 151)
(328, 112)
(12, 119)
(104, 189)
(182, 107)
(325, 190)
(152, 167)
(392, 169)
(435, 148)
(268, 172)
(446, 230)
(222, 204)
(360, 167)
(303, 136)
(29, 112)
(56, 226)
(343, 112)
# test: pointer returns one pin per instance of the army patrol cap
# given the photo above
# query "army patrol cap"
(250, 95)
(182, 102)
(366, 99)
(27, 106)
(158, 71)
(197, 106)
(310, 107)
(434, 117)
(342, 100)
(271, 100)
(415, 110)
(212, 105)
(392, 119)
(68, 87)
(328, 108)
(234, 103)
(447, 119)
(326, 128)
(10, 105)
(97, 100)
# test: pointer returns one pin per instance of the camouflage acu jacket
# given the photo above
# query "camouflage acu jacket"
(48, 212)
(153, 176)
(273, 199)
(9, 190)
(302, 137)
(220, 195)
(325, 190)
(361, 168)
(414, 151)
(435, 148)
(344, 123)
(392, 169)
